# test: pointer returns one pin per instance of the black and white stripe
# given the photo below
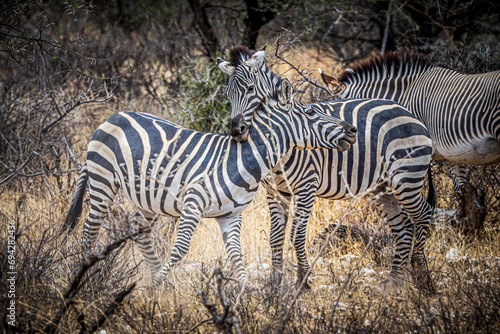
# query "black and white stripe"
(165, 169)
(389, 161)
(461, 111)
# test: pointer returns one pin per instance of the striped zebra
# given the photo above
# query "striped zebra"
(461, 111)
(165, 169)
(389, 161)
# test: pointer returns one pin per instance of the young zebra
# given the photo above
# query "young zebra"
(461, 111)
(166, 169)
(389, 161)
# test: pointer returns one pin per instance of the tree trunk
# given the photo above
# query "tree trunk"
(256, 18)
(204, 28)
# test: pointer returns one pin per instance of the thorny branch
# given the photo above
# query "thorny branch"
(289, 44)
(78, 282)
(226, 321)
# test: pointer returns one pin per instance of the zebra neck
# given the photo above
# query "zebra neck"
(388, 84)
(269, 140)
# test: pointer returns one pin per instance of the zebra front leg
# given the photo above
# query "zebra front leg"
(231, 229)
(190, 217)
(402, 230)
(304, 202)
(143, 223)
(279, 208)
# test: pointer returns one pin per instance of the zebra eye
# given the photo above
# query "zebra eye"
(310, 111)
(250, 89)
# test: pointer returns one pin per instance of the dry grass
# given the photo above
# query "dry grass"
(344, 297)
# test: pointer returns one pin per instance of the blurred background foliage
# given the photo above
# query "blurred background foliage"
(159, 57)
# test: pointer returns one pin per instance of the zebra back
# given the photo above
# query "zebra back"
(461, 111)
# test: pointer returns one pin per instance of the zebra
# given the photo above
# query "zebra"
(389, 161)
(165, 169)
(461, 111)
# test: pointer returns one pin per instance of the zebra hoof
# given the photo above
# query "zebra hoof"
(248, 288)
(301, 284)
(159, 280)
(391, 286)
(424, 283)
(276, 278)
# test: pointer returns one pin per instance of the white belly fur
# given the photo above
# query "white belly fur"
(479, 152)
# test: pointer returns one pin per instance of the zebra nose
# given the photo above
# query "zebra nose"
(351, 130)
(239, 129)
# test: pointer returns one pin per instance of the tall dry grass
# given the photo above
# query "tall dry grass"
(345, 294)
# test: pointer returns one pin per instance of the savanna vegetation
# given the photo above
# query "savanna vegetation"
(67, 66)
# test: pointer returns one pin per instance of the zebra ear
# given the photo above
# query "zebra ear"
(225, 66)
(286, 93)
(257, 59)
(335, 86)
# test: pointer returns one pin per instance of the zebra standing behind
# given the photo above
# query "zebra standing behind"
(166, 169)
(389, 160)
(461, 111)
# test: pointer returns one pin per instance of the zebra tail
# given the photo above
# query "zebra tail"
(75, 209)
(431, 194)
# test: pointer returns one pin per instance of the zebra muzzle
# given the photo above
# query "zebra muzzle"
(343, 145)
(239, 130)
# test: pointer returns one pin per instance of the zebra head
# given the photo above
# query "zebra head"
(253, 86)
(245, 89)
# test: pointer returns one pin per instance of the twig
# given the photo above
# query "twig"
(74, 106)
(278, 47)
(111, 309)
(226, 321)
(78, 281)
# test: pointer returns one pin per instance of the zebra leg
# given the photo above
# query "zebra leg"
(279, 209)
(459, 177)
(304, 202)
(102, 192)
(420, 211)
(402, 230)
(143, 223)
(90, 231)
(231, 229)
(190, 217)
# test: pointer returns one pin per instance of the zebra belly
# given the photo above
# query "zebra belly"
(476, 152)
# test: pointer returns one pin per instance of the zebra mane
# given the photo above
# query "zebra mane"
(389, 60)
(239, 54)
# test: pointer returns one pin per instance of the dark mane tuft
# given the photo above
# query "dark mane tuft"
(239, 54)
(388, 60)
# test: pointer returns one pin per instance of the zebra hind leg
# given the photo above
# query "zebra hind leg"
(90, 231)
(102, 193)
(143, 223)
(402, 230)
(459, 177)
